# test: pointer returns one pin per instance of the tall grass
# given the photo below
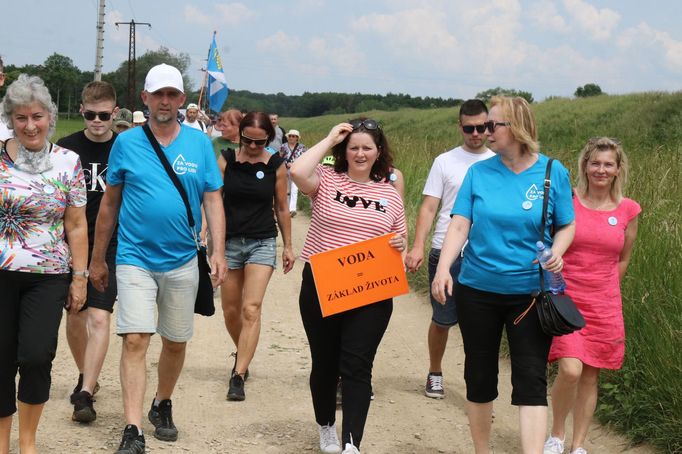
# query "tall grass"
(644, 399)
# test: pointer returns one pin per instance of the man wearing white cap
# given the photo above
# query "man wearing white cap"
(192, 118)
(156, 260)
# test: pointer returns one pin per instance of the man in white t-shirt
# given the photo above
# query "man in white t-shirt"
(443, 183)
(192, 118)
(5, 133)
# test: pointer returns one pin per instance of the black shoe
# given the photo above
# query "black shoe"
(131, 443)
(162, 418)
(234, 368)
(83, 410)
(236, 390)
(79, 388)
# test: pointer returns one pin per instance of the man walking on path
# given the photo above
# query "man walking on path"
(443, 183)
(156, 261)
(87, 331)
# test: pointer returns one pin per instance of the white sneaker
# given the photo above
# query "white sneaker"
(554, 445)
(329, 441)
(350, 449)
(579, 451)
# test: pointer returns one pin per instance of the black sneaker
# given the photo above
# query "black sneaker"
(83, 410)
(236, 390)
(234, 367)
(79, 387)
(132, 442)
(162, 418)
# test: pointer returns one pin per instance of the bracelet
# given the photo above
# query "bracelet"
(84, 273)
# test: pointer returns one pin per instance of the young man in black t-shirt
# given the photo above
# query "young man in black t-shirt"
(88, 331)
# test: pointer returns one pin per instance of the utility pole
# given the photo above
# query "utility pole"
(131, 60)
(100, 41)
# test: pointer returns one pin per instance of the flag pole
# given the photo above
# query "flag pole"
(203, 84)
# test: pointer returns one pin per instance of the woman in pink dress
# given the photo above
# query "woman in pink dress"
(594, 265)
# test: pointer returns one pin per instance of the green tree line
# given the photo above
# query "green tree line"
(65, 82)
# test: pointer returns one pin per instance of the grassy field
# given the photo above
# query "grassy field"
(644, 399)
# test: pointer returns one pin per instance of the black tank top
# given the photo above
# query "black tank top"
(248, 196)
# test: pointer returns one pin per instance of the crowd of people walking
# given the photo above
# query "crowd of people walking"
(97, 221)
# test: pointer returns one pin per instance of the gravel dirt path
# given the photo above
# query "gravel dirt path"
(277, 416)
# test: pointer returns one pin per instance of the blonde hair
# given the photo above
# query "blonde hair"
(594, 146)
(523, 128)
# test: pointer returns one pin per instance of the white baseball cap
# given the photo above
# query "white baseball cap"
(192, 106)
(163, 76)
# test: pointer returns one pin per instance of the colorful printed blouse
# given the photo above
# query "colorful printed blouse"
(32, 208)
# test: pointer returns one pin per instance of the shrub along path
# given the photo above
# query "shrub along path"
(277, 416)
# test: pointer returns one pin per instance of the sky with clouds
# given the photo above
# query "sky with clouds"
(446, 48)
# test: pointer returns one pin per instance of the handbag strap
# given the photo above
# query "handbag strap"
(543, 223)
(174, 178)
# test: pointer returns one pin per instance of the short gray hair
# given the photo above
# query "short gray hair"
(24, 91)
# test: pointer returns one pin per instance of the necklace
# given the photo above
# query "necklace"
(33, 162)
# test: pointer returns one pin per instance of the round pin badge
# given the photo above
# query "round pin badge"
(527, 205)
(613, 220)
(260, 175)
(48, 189)
(383, 202)
(393, 177)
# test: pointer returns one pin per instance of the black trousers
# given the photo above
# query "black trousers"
(482, 316)
(342, 345)
(31, 305)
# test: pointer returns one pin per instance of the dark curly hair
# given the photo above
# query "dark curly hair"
(381, 170)
(257, 120)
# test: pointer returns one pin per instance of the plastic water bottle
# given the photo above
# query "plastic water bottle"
(554, 282)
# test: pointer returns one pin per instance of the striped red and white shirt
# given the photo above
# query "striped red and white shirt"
(346, 212)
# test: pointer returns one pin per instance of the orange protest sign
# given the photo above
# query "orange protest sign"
(358, 274)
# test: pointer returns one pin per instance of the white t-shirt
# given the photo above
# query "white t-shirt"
(5, 133)
(196, 124)
(444, 180)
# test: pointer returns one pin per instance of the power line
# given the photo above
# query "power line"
(131, 60)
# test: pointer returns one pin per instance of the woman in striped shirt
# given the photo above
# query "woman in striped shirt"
(351, 202)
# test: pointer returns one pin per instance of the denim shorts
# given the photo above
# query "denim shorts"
(142, 292)
(241, 251)
(444, 315)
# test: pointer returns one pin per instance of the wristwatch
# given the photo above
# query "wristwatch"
(84, 273)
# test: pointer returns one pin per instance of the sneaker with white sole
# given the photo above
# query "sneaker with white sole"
(329, 441)
(434, 386)
(554, 445)
(350, 449)
(579, 451)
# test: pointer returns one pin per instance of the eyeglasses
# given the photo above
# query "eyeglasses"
(246, 140)
(469, 129)
(367, 124)
(491, 125)
(90, 115)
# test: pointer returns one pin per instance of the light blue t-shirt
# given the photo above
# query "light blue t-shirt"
(505, 210)
(154, 232)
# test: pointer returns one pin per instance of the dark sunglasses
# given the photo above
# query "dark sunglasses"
(469, 129)
(90, 115)
(491, 125)
(246, 140)
(367, 124)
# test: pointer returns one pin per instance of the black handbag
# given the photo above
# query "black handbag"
(557, 313)
(203, 305)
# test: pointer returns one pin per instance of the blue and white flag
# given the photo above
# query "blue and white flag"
(217, 85)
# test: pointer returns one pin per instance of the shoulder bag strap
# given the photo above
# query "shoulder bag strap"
(174, 178)
(543, 223)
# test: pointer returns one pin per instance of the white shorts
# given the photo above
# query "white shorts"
(141, 292)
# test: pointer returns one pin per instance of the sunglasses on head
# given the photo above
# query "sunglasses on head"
(246, 140)
(469, 129)
(491, 125)
(368, 124)
(90, 115)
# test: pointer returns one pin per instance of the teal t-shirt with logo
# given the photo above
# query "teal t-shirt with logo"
(505, 211)
(154, 232)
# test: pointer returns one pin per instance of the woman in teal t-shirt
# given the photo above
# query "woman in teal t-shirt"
(498, 210)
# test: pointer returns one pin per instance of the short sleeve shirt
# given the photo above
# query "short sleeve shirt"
(505, 211)
(32, 208)
(153, 231)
